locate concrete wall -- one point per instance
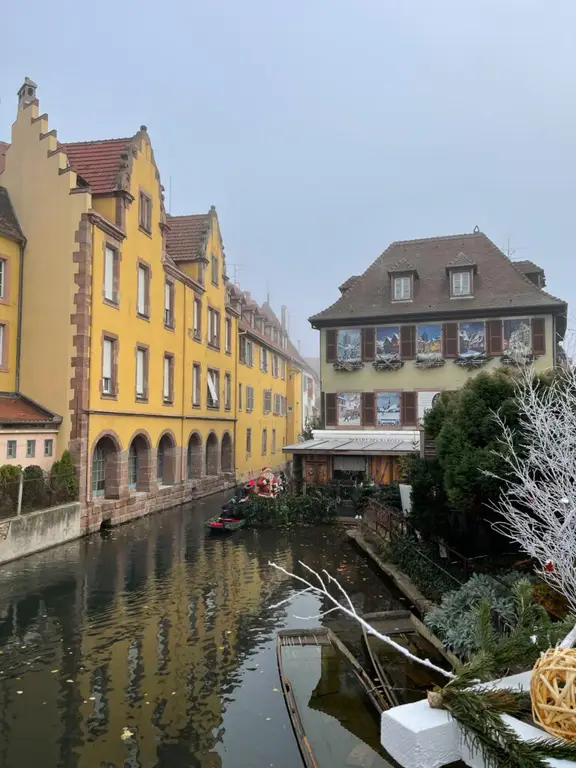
(35, 531)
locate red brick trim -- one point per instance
(141, 433)
(80, 361)
(213, 467)
(170, 434)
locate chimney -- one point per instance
(283, 311)
(26, 93)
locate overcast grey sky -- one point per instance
(324, 129)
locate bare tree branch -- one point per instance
(538, 499)
(348, 609)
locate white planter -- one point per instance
(417, 736)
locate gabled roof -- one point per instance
(461, 260)
(268, 313)
(98, 162)
(17, 409)
(186, 236)
(3, 147)
(498, 284)
(8, 222)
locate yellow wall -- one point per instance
(448, 377)
(124, 414)
(10, 253)
(257, 420)
(49, 217)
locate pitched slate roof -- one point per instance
(3, 147)
(186, 236)
(8, 222)
(498, 284)
(97, 162)
(17, 409)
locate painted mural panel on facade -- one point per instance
(387, 409)
(472, 339)
(349, 345)
(387, 342)
(429, 341)
(426, 400)
(349, 409)
(517, 337)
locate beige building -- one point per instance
(425, 317)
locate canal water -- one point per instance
(162, 629)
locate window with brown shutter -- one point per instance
(407, 342)
(538, 336)
(330, 407)
(450, 333)
(409, 409)
(368, 343)
(331, 346)
(367, 409)
(495, 346)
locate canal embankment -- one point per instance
(32, 532)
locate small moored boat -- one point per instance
(330, 701)
(225, 524)
(401, 681)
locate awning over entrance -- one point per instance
(365, 443)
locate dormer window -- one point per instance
(461, 282)
(403, 288)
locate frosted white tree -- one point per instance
(321, 589)
(538, 501)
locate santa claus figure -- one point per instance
(267, 483)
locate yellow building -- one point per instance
(131, 330)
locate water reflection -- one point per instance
(165, 631)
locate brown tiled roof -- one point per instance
(186, 236)
(347, 284)
(498, 284)
(268, 313)
(97, 162)
(8, 222)
(3, 147)
(461, 260)
(17, 409)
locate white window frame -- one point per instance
(30, 449)
(143, 277)
(227, 335)
(140, 373)
(196, 316)
(168, 304)
(461, 283)
(9, 445)
(2, 343)
(107, 366)
(213, 387)
(402, 288)
(2, 278)
(227, 391)
(48, 447)
(167, 370)
(109, 269)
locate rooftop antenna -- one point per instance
(236, 269)
(508, 250)
(268, 292)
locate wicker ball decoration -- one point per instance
(553, 692)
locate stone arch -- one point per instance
(166, 458)
(194, 456)
(226, 454)
(106, 466)
(140, 461)
(212, 454)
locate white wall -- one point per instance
(21, 437)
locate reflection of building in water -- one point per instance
(171, 648)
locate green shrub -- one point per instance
(34, 495)
(316, 506)
(63, 481)
(9, 482)
(418, 560)
(503, 623)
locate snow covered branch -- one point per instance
(321, 589)
(538, 500)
